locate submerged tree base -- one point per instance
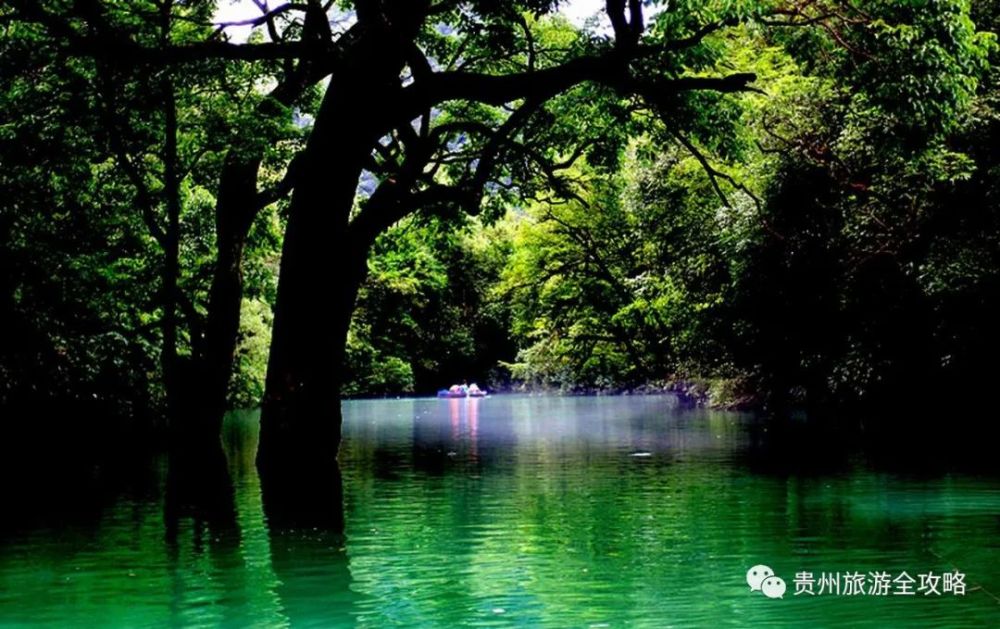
(297, 461)
(199, 487)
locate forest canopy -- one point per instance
(794, 202)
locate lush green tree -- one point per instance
(666, 217)
(810, 243)
(426, 315)
(625, 285)
(127, 155)
(439, 102)
(838, 294)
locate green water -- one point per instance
(517, 511)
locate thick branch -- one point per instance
(544, 84)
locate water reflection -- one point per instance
(506, 511)
(199, 493)
(577, 512)
(301, 556)
(200, 533)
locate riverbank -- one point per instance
(712, 393)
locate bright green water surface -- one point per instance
(520, 511)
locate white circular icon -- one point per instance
(773, 587)
(756, 576)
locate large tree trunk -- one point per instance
(321, 272)
(323, 264)
(206, 378)
(237, 206)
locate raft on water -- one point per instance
(450, 394)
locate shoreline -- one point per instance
(717, 394)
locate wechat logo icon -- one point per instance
(761, 578)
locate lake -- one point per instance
(522, 511)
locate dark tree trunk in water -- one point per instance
(237, 206)
(303, 493)
(236, 209)
(206, 379)
(323, 263)
(321, 272)
(306, 494)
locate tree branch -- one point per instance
(544, 84)
(713, 174)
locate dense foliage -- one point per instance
(109, 185)
(833, 238)
(853, 260)
(427, 313)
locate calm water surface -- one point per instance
(516, 511)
